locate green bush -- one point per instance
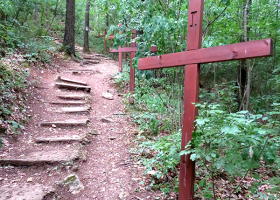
(12, 83)
(235, 144)
(161, 155)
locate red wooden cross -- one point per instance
(120, 53)
(105, 39)
(192, 58)
(132, 51)
(105, 44)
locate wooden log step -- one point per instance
(68, 102)
(21, 191)
(82, 69)
(82, 122)
(90, 58)
(73, 138)
(42, 157)
(88, 62)
(74, 109)
(72, 96)
(71, 81)
(73, 86)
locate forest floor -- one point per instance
(76, 147)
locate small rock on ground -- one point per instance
(123, 195)
(74, 183)
(94, 132)
(107, 95)
(106, 120)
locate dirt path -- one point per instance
(35, 163)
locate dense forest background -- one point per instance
(237, 131)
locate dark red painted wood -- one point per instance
(187, 166)
(131, 49)
(120, 54)
(194, 40)
(105, 42)
(192, 58)
(132, 69)
(125, 54)
(244, 50)
(105, 39)
(111, 37)
(195, 22)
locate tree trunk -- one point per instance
(249, 69)
(36, 12)
(69, 34)
(86, 30)
(241, 79)
(243, 70)
(107, 21)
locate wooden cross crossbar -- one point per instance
(132, 51)
(105, 39)
(244, 50)
(105, 44)
(192, 58)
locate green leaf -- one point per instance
(15, 124)
(193, 157)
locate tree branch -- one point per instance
(213, 21)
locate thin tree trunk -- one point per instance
(54, 16)
(275, 40)
(241, 79)
(86, 30)
(69, 34)
(249, 69)
(36, 12)
(243, 68)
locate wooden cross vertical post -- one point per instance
(192, 58)
(105, 46)
(191, 90)
(120, 53)
(132, 69)
(105, 39)
(132, 51)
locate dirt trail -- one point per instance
(98, 152)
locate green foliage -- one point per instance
(224, 93)
(161, 155)
(226, 140)
(234, 143)
(19, 29)
(12, 83)
(147, 121)
(163, 161)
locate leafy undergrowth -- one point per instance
(14, 71)
(236, 153)
(13, 82)
(237, 156)
(161, 157)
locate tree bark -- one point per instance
(36, 12)
(249, 69)
(54, 16)
(69, 34)
(86, 29)
(244, 74)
